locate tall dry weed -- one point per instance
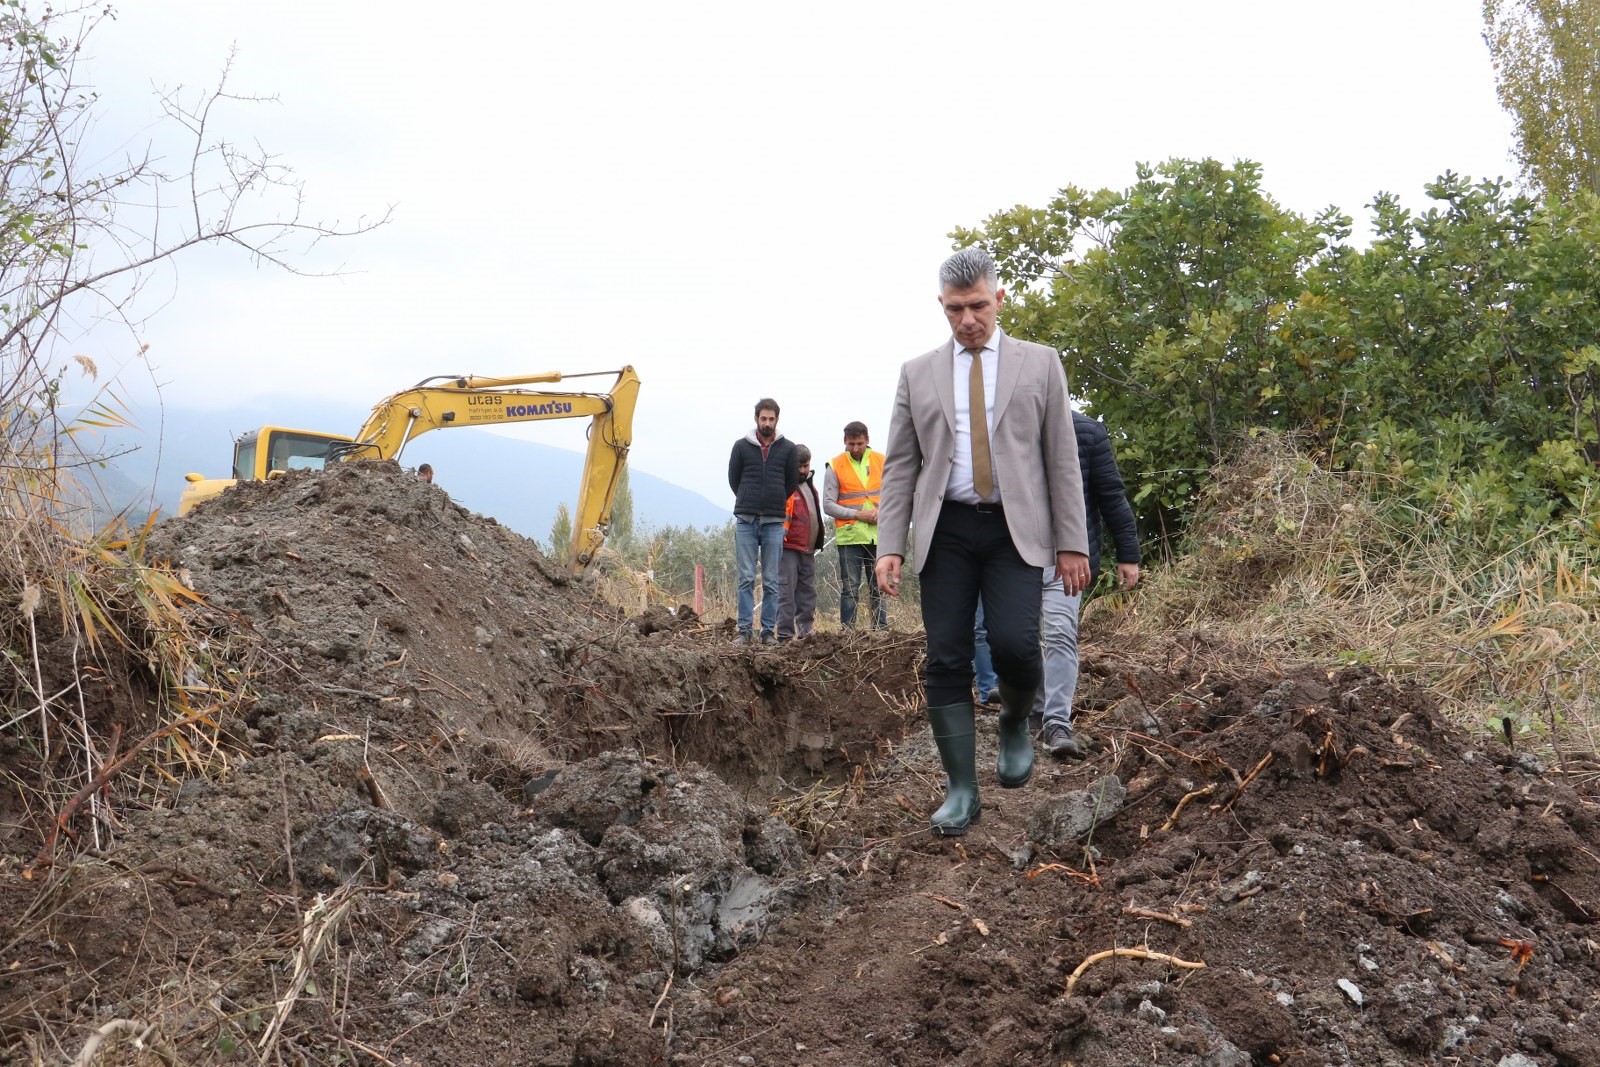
(107, 669)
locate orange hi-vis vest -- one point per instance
(852, 494)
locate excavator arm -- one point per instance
(442, 403)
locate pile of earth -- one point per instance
(479, 817)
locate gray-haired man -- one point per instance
(981, 479)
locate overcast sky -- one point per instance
(739, 199)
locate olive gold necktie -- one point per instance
(982, 467)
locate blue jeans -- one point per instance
(1058, 626)
(982, 662)
(758, 542)
(855, 563)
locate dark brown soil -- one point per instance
(479, 817)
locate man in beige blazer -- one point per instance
(981, 484)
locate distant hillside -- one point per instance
(518, 483)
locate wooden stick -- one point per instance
(370, 784)
(441, 681)
(1128, 953)
(1140, 741)
(47, 853)
(1237, 793)
(1172, 820)
(370, 1051)
(1322, 757)
(1091, 878)
(86, 1055)
(1146, 913)
(651, 1025)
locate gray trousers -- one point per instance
(1058, 631)
(797, 595)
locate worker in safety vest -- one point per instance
(850, 498)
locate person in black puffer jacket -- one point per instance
(763, 472)
(1107, 503)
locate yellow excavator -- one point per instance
(445, 402)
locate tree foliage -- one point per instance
(1164, 300)
(1547, 70)
(561, 532)
(621, 533)
(1456, 353)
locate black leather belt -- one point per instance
(981, 509)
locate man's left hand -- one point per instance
(1073, 570)
(887, 573)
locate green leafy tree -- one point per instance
(1547, 70)
(561, 533)
(677, 549)
(1458, 354)
(621, 532)
(1166, 302)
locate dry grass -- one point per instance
(98, 641)
(627, 581)
(1295, 563)
(283, 991)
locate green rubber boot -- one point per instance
(1014, 763)
(953, 732)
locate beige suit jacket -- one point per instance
(1032, 443)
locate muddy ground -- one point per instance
(476, 816)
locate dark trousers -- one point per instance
(797, 600)
(855, 564)
(971, 554)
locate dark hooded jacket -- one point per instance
(762, 485)
(1104, 495)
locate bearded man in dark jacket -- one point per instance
(1106, 501)
(763, 472)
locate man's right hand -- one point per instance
(887, 572)
(867, 515)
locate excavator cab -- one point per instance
(259, 453)
(264, 453)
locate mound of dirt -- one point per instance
(481, 817)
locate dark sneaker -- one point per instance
(991, 699)
(768, 637)
(1060, 743)
(742, 639)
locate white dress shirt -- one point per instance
(960, 485)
